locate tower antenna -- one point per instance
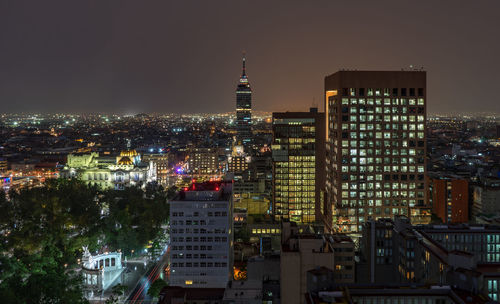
(244, 73)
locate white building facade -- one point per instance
(201, 236)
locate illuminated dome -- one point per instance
(129, 153)
(125, 160)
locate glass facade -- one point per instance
(294, 169)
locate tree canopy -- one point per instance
(42, 231)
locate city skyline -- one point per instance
(145, 57)
(253, 152)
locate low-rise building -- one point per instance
(162, 163)
(301, 252)
(465, 256)
(486, 197)
(203, 161)
(238, 161)
(343, 249)
(181, 295)
(3, 165)
(449, 197)
(243, 292)
(387, 293)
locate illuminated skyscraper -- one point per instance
(376, 145)
(244, 110)
(299, 166)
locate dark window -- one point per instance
(420, 91)
(403, 91)
(345, 92)
(412, 91)
(395, 92)
(361, 91)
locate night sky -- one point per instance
(185, 56)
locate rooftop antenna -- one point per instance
(314, 104)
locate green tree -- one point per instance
(44, 229)
(135, 218)
(112, 300)
(155, 288)
(119, 290)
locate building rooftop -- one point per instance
(206, 191)
(172, 294)
(243, 290)
(204, 186)
(320, 271)
(350, 293)
(459, 228)
(339, 238)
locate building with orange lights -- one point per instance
(449, 197)
(298, 154)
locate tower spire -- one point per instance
(244, 62)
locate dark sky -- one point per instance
(185, 56)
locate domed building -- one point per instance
(109, 172)
(125, 160)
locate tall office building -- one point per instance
(244, 110)
(201, 233)
(298, 150)
(376, 145)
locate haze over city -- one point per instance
(183, 56)
(249, 152)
